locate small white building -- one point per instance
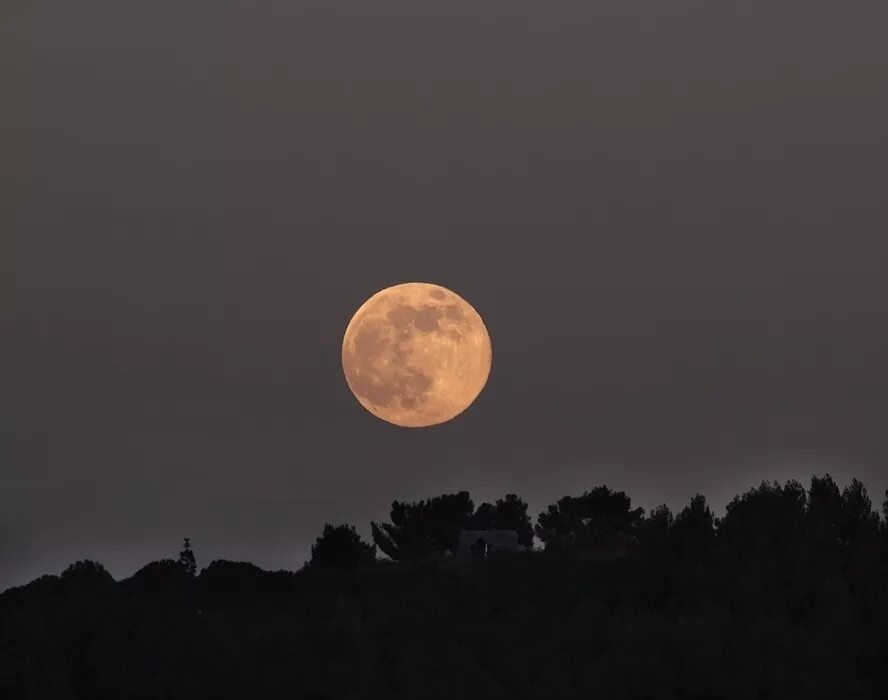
(484, 542)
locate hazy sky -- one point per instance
(673, 217)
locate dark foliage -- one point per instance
(824, 510)
(660, 519)
(341, 548)
(186, 558)
(858, 521)
(696, 518)
(419, 529)
(166, 580)
(595, 518)
(429, 527)
(509, 513)
(885, 514)
(768, 519)
(784, 597)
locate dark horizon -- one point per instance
(671, 218)
(647, 518)
(785, 596)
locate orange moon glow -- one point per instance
(416, 354)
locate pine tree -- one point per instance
(186, 558)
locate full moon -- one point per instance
(416, 354)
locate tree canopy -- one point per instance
(186, 558)
(340, 547)
(592, 518)
(508, 513)
(433, 525)
(421, 528)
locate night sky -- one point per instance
(673, 217)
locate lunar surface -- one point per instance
(416, 354)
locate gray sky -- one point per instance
(671, 215)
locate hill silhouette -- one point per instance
(786, 596)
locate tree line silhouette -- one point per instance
(603, 518)
(785, 595)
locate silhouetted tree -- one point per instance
(771, 516)
(340, 547)
(484, 518)
(509, 513)
(166, 580)
(186, 558)
(559, 524)
(655, 529)
(824, 509)
(696, 517)
(858, 521)
(660, 518)
(847, 517)
(586, 520)
(418, 529)
(224, 582)
(885, 511)
(694, 528)
(86, 572)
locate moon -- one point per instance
(416, 354)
